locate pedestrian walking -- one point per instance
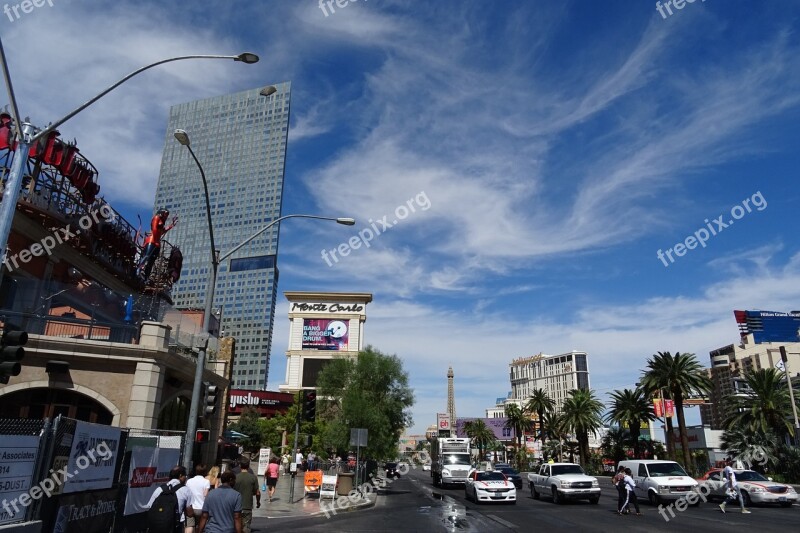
(170, 504)
(731, 487)
(271, 475)
(213, 478)
(286, 461)
(199, 486)
(619, 483)
(222, 510)
(247, 485)
(630, 495)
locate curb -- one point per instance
(333, 510)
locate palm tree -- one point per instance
(755, 448)
(540, 403)
(682, 375)
(614, 443)
(764, 406)
(551, 424)
(481, 434)
(631, 408)
(518, 422)
(581, 414)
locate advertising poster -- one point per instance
(149, 468)
(658, 407)
(325, 334)
(89, 512)
(17, 462)
(93, 457)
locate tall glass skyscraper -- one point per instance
(240, 139)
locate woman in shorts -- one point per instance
(271, 475)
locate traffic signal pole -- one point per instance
(294, 452)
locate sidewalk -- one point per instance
(282, 507)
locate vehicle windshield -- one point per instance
(666, 469)
(566, 469)
(508, 471)
(490, 476)
(749, 475)
(458, 459)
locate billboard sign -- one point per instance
(325, 334)
(768, 326)
(443, 422)
(267, 403)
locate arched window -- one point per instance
(38, 403)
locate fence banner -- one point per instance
(149, 468)
(93, 457)
(18, 455)
(87, 512)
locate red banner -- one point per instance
(670, 408)
(657, 407)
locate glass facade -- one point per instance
(240, 140)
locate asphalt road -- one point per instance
(413, 504)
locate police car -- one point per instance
(491, 486)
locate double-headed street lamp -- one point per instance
(194, 408)
(28, 136)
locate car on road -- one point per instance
(755, 488)
(564, 481)
(660, 481)
(498, 466)
(512, 476)
(493, 486)
(391, 471)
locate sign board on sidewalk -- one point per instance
(263, 460)
(313, 480)
(328, 488)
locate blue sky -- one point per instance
(560, 145)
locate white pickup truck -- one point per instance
(563, 481)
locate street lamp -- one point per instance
(194, 408)
(27, 136)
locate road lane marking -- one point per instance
(501, 521)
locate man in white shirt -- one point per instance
(177, 476)
(298, 458)
(199, 487)
(732, 487)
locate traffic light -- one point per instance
(209, 398)
(11, 353)
(309, 406)
(202, 436)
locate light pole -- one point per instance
(194, 408)
(27, 135)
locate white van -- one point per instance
(660, 481)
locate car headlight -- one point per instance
(445, 472)
(595, 483)
(565, 484)
(753, 488)
(663, 489)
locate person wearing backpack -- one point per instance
(170, 504)
(619, 482)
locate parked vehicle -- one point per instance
(660, 481)
(492, 486)
(451, 461)
(563, 481)
(755, 488)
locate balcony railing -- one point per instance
(68, 327)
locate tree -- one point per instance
(581, 414)
(540, 403)
(614, 444)
(519, 422)
(682, 375)
(631, 408)
(248, 424)
(764, 406)
(754, 448)
(482, 435)
(370, 391)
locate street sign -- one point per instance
(358, 437)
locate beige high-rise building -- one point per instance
(556, 374)
(731, 363)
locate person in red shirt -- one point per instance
(152, 243)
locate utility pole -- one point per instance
(785, 360)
